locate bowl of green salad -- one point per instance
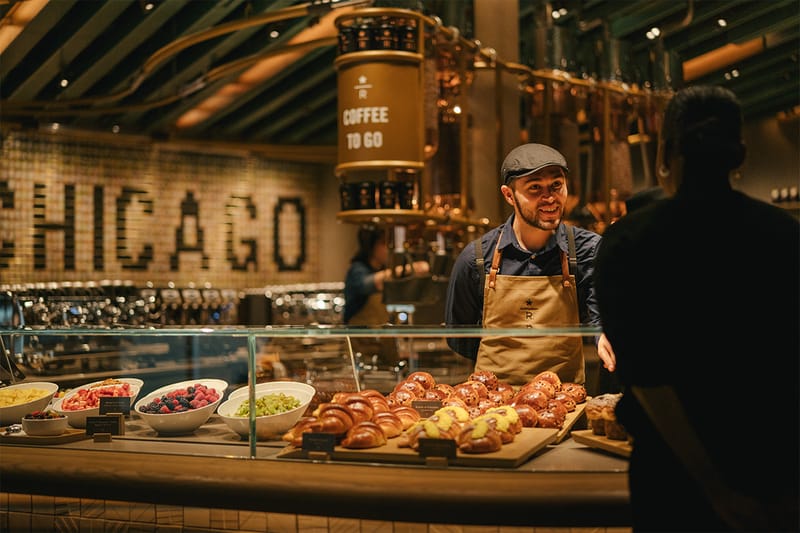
(278, 407)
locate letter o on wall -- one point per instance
(289, 234)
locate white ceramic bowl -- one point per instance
(77, 417)
(12, 414)
(272, 426)
(181, 422)
(44, 427)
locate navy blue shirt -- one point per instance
(359, 284)
(464, 304)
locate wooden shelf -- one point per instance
(407, 216)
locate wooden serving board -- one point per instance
(511, 455)
(70, 435)
(570, 422)
(617, 447)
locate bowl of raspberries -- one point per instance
(182, 407)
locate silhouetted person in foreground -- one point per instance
(698, 294)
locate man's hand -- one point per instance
(606, 353)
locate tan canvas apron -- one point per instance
(374, 313)
(526, 302)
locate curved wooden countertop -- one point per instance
(202, 478)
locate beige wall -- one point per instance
(89, 211)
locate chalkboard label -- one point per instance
(437, 448)
(426, 408)
(115, 404)
(104, 424)
(319, 442)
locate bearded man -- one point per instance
(532, 271)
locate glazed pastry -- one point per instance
(445, 388)
(487, 377)
(550, 376)
(459, 414)
(436, 395)
(558, 408)
(500, 423)
(479, 437)
(443, 427)
(527, 415)
(534, 397)
(412, 386)
(364, 435)
(423, 378)
(467, 394)
(549, 419)
(515, 423)
(576, 390)
(505, 391)
(542, 385)
(454, 401)
(401, 397)
(567, 400)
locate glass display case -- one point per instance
(330, 358)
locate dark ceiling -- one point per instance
(139, 69)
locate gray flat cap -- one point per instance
(529, 158)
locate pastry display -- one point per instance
(602, 417)
(480, 414)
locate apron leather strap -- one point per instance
(479, 261)
(496, 258)
(568, 265)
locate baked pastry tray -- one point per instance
(511, 455)
(601, 442)
(524, 446)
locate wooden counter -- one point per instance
(564, 485)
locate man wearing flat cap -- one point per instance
(531, 271)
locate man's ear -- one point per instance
(508, 194)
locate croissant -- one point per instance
(408, 415)
(363, 435)
(333, 418)
(379, 404)
(295, 434)
(361, 407)
(390, 423)
(479, 437)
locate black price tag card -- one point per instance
(426, 408)
(103, 424)
(115, 404)
(437, 448)
(319, 442)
